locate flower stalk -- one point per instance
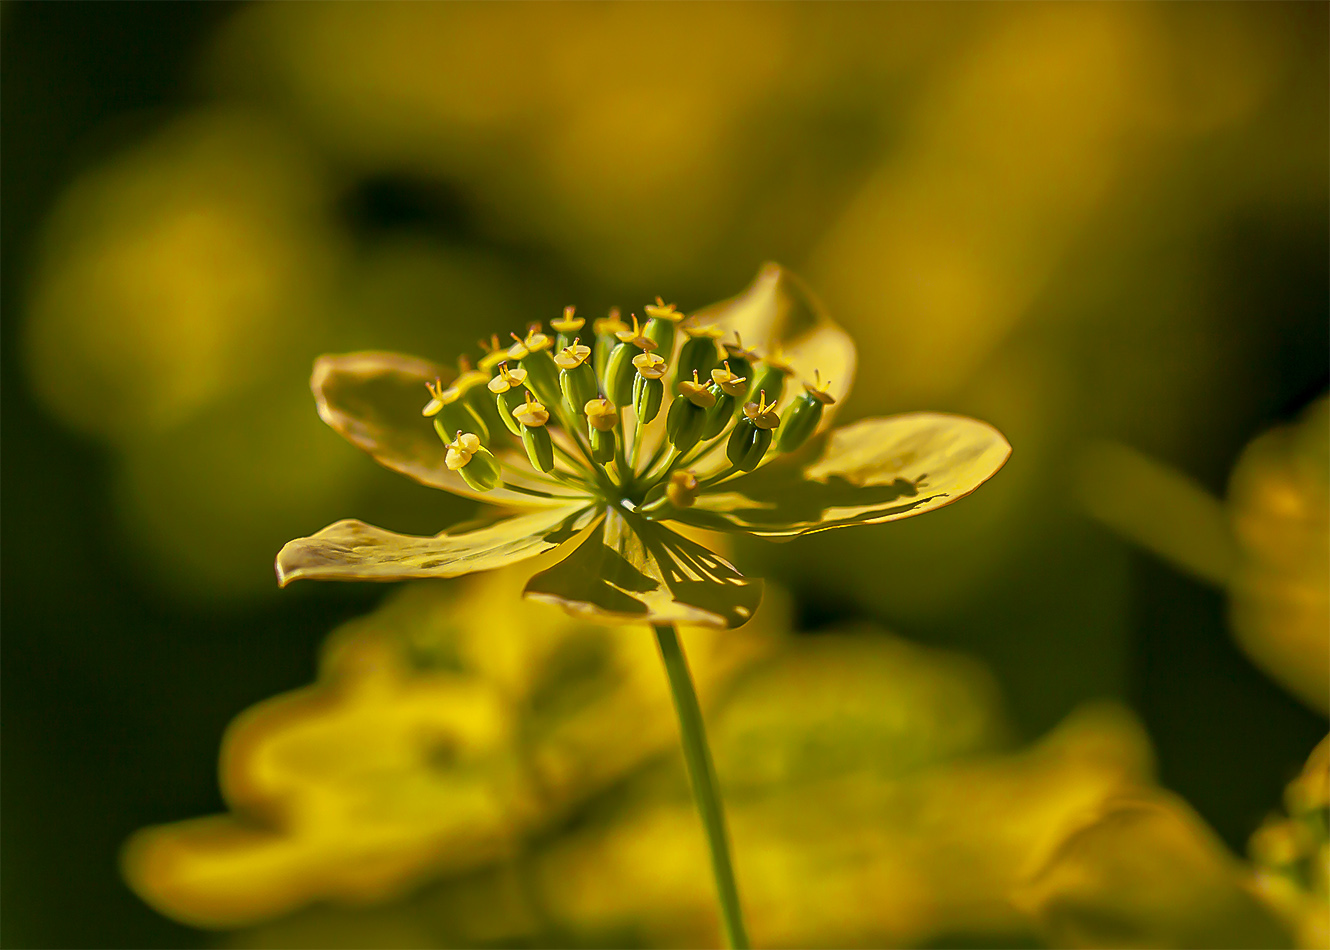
(702, 778)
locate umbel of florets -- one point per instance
(585, 427)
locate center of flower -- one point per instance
(638, 416)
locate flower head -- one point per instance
(606, 458)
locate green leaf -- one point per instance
(873, 471)
(352, 550)
(374, 400)
(630, 570)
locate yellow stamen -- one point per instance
(531, 414)
(568, 323)
(610, 324)
(436, 398)
(493, 353)
(730, 384)
(762, 414)
(460, 450)
(663, 311)
(507, 379)
(649, 365)
(601, 414)
(698, 393)
(737, 350)
(535, 340)
(819, 389)
(694, 329)
(571, 357)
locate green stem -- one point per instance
(702, 776)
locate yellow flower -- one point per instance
(599, 493)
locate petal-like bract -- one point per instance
(353, 550)
(873, 471)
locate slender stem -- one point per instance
(702, 776)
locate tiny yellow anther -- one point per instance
(531, 414)
(694, 330)
(649, 365)
(494, 354)
(730, 384)
(635, 337)
(568, 323)
(518, 350)
(663, 311)
(507, 379)
(571, 357)
(601, 414)
(737, 349)
(535, 340)
(819, 389)
(610, 324)
(762, 414)
(435, 403)
(460, 450)
(697, 392)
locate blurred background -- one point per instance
(1090, 225)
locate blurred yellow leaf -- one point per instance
(1144, 871)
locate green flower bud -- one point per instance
(602, 445)
(719, 415)
(648, 394)
(620, 373)
(532, 416)
(482, 404)
(748, 443)
(539, 447)
(482, 472)
(542, 376)
(661, 320)
(607, 330)
(770, 378)
(451, 413)
(802, 418)
(509, 391)
(699, 352)
(475, 463)
(684, 423)
(576, 377)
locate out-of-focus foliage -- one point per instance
(1269, 546)
(1145, 871)
(1292, 853)
(444, 727)
(522, 761)
(1279, 497)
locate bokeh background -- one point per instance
(1086, 224)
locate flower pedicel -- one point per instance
(593, 443)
